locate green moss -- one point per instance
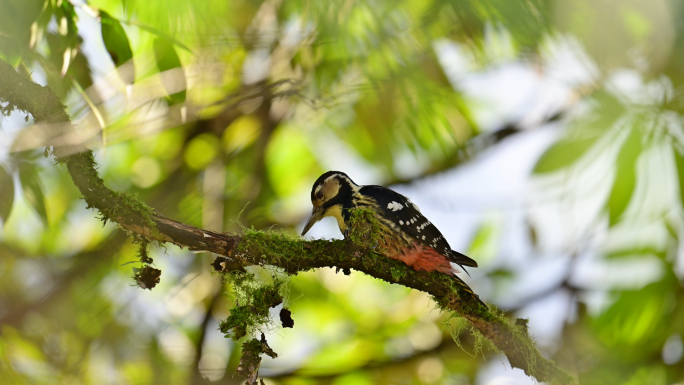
(455, 324)
(398, 272)
(276, 244)
(237, 323)
(525, 345)
(143, 256)
(253, 299)
(112, 205)
(364, 229)
(20, 92)
(278, 247)
(253, 345)
(251, 357)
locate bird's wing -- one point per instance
(406, 215)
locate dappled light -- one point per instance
(153, 192)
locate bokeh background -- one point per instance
(543, 137)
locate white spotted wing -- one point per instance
(406, 215)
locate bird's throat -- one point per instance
(336, 212)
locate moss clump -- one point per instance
(143, 255)
(455, 325)
(525, 346)
(364, 229)
(398, 272)
(237, 323)
(251, 358)
(275, 244)
(277, 247)
(252, 303)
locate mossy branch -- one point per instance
(267, 248)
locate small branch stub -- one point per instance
(251, 358)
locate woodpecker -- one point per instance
(405, 234)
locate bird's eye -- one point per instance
(319, 194)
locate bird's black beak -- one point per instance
(316, 215)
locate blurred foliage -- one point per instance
(222, 113)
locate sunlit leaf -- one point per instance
(563, 154)
(636, 318)
(671, 229)
(501, 273)
(6, 194)
(160, 34)
(68, 18)
(641, 251)
(583, 135)
(16, 18)
(679, 162)
(115, 40)
(167, 60)
(33, 191)
(625, 176)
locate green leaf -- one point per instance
(585, 132)
(33, 191)
(679, 162)
(167, 59)
(671, 228)
(625, 176)
(80, 71)
(166, 55)
(637, 318)
(115, 40)
(646, 251)
(159, 33)
(563, 153)
(6, 194)
(501, 273)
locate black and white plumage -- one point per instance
(408, 235)
(407, 217)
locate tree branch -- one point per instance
(268, 248)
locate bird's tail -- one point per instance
(462, 260)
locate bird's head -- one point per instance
(328, 194)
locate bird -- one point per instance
(405, 234)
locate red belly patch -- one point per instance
(422, 257)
